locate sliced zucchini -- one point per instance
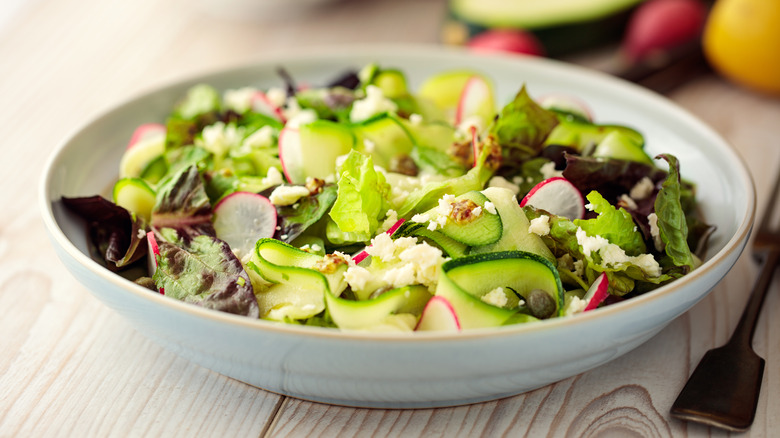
(355, 315)
(515, 235)
(617, 145)
(451, 247)
(385, 138)
(582, 136)
(135, 195)
(467, 220)
(464, 281)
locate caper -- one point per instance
(540, 304)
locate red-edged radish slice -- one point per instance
(291, 155)
(359, 257)
(438, 315)
(567, 104)
(507, 40)
(558, 196)
(154, 251)
(597, 293)
(262, 104)
(476, 100)
(145, 132)
(242, 218)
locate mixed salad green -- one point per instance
(363, 205)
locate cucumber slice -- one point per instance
(436, 135)
(465, 280)
(463, 224)
(581, 136)
(619, 146)
(392, 83)
(451, 247)
(141, 153)
(135, 195)
(155, 170)
(311, 150)
(356, 315)
(515, 236)
(298, 290)
(384, 138)
(444, 89)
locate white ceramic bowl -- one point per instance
(423, 369)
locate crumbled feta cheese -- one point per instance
(579, 267)
(374, 103)
(426, 260)
(262, 138)
(239, 100)
(316, 248)
(500, 181)
(421, 218)
(574, 305)
(415, 119)
(476, 211)
(140, 234)
(642, 189)
(400, 276)
(219, 138)
(390, 219)
(382, 246)
(301, 117)
(340, 160)
(540, 225)
(652, 219)
(548, 170)
(613, 255)
(357, 277)
(370, 145)
(445, 205)
(432, 225)
(276, 96)
(288, 195)
(272, 178)
(490, 207)
(496, 297)
(628, 201)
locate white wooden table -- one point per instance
(71, 367)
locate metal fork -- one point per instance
(724, 388)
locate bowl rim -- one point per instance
(59, 238)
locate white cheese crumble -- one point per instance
(373, 104)
(415, 119)
(272, 178)
(540, 225)
(262, 138)
(490, 207)
(276, 96)
(629, 201)
(370, 145)
(652, 219)
(219, 138)
(496, 297)
(390, 219)
(239, 100)
(613, 255)
(476, 211)
(642, 189)
(357, 277)
(445, 205)
(421, 218)
(500, 181)
(548, 170)
(574, 305)
(288, 195)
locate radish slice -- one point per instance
(359, 257)
(262, 104)
(438, 315)
(476, 100)
(145, 132)
(242, 218)
(566, 103)
(597, 293)
(154, 251)
(558, 196)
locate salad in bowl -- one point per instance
(363, 204)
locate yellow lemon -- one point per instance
(742, 42)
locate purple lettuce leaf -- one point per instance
(116, 236)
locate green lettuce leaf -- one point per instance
(672, 223)
(293, 221)
(362, 198)
(523, 125)
(613, 224)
